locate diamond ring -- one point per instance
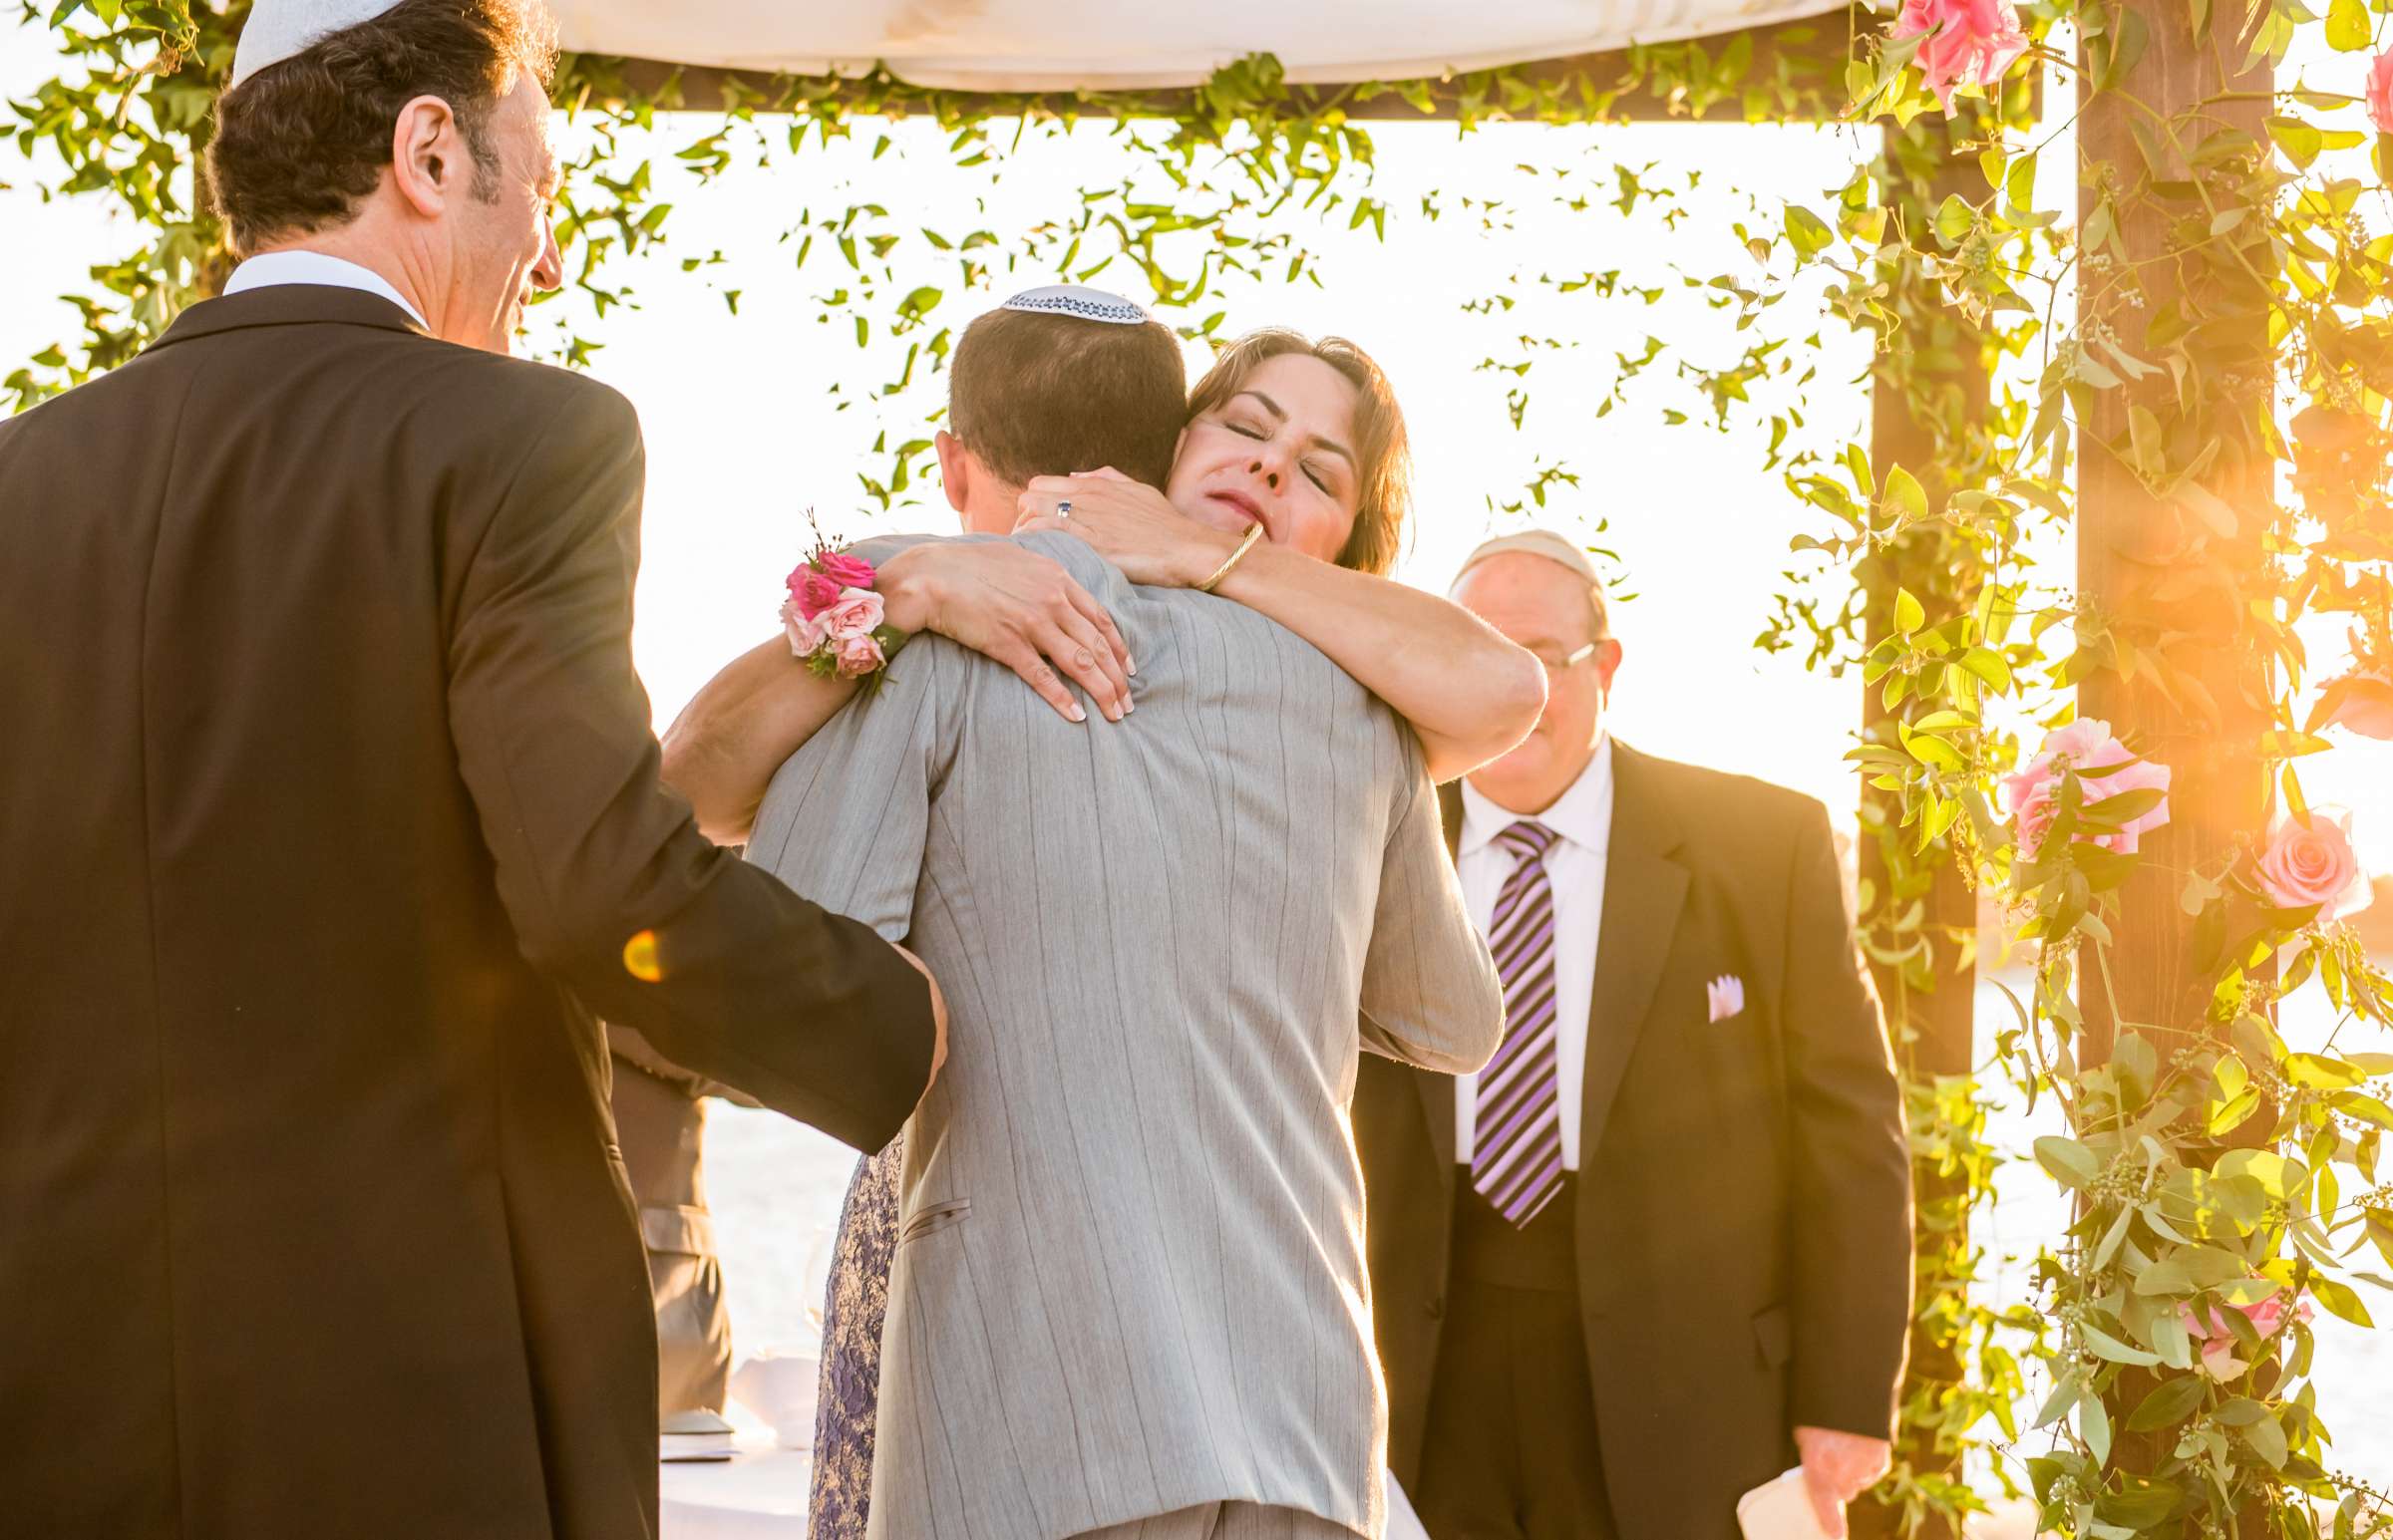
(1063, 509)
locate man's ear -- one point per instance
(428, 155)
(1607, 663)
(956, 470)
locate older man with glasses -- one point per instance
(1658, 1250)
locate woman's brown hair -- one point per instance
(1383, 453)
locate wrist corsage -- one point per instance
(835, 620)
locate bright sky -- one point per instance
(745, 433)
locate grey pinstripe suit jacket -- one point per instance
(1129, 1273)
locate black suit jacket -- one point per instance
(328, 779)
(1742, 1217)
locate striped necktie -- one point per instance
(1517, 1144)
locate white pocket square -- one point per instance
(1726, 996)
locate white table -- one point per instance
(757, 1494)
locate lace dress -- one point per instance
(853, 1307)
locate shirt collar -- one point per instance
(1581, 816)
(273, 267)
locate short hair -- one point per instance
(1033, 393)
(299, 142)
(1383, 449)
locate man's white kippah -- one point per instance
(1072, 299)
(1535, 542)
(285, 28)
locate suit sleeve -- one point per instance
(612, 889)
(1851, 1163)
(848, 815)
(1429, 993)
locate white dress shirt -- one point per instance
(275, 267)
(1583, 816)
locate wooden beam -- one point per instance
(1797, 64)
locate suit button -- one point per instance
(1436, 1307)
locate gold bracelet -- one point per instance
(1254, 532)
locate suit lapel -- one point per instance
(1644, 889)
(1438, 1091)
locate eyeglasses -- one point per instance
(1554, 664)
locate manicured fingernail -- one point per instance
(1077, 714)
(1129, 705)
(1129, 665)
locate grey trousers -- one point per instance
(1226, 1521)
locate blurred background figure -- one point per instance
(1659, 1248)
(660, 1123)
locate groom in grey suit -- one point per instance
(1129, 1289)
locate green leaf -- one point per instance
(2347, 29)
(1989, 667)
(2169, 1404)
(2319, 1073)
(1809, 233)
(2104, 1345)
(1954, 220)
(2094, 1425)
(1909, 615)
(2341, 1299)
(2267, 1441)
(1904, 492)
(2071, 1163)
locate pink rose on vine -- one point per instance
(2208, 1328)
(2310, 863)
(2380, 91)
(1965, 42)
(2105, 770)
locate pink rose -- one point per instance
(2139, 776)
(2206, 1326)
(2033, 793)
(857, 613)
(2380, 91)
(806, 632)
(811, 591)
(845, 570)
(2033, 806)
(2361, 700)
(859, 654)
(2312, 863)
(1967, 42)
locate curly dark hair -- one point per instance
(301, 140)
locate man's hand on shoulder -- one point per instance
(1837, 1469)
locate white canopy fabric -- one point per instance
(1123, 45)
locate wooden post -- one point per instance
(1921, 920)
(2158, 578)
(2175, 674)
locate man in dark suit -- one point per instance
(1658, 1249)
(331, 812)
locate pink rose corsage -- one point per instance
(835, 621)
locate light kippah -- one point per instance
(1073, 299)
(1535, 542)
(285, 28)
